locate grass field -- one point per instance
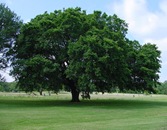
(102, 112)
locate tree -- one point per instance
(69, 48)
(97, 60)
(10, 24)
(144, 63)
(148, 64)
(8, 87)
(162, 88)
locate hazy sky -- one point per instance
(147, 19)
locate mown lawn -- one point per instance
(102, 112)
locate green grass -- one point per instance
(102, 112)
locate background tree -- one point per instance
(144, 64)
(79, 51)
(10, 24)
(148, 65)
(8, 87)
(162, 88)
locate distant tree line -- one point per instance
(12, 87)
(162, 88)
(8, 87)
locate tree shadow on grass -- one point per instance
(100, 103)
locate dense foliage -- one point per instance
(82, 52)
(8, 87)
(162, 88)
(10, 24)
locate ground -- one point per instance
(19, 111)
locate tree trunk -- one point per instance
(40, 92)
(74, 91)
(75, 95)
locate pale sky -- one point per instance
(147, 19)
